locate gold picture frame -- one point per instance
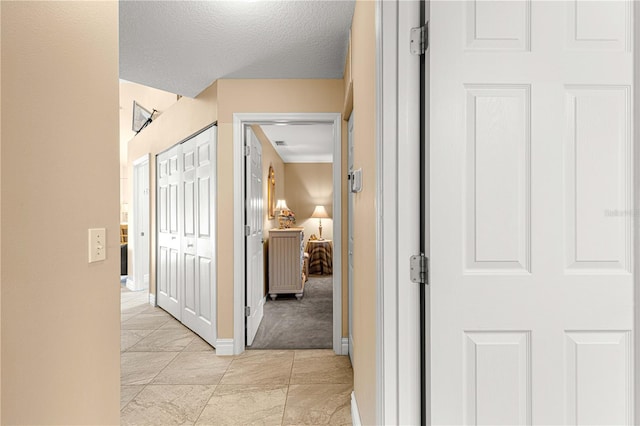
(271, 193)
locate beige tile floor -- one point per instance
(171, 376)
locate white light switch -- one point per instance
(97, 244)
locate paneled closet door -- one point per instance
(198, 308)
(186, 255)
(168, 281)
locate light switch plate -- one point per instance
(97, 244)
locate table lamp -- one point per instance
(281, 206)
(320, 213)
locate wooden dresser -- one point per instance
(286, 262)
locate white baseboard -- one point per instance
(355, 414)
(344, 346)
(152, 299)
(130, 284)
(224, 347)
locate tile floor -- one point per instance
(170, 376)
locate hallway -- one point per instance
(170, 376)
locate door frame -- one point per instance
(145, 159)
(398, 394)
(240, 120)
(636, 204)
(350, 195)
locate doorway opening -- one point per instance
(321, 267)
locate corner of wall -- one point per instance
(1, 422)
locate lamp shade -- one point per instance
(281, 205)
(320, 212)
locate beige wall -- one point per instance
(221, 101)
(259, 96)
(0, 216)
(149, 98)
(308, 185)
(181, 120)
(60, 315)
(364, 257)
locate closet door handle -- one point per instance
(189, 245)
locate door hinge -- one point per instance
(247, 150)
(419, 269)
(247, 311)
(247, 230)
(419, 40)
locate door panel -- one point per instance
(167, 293)
(254, 247)
(531, 212)
(186, 278)
(199, 315)
(139, 232)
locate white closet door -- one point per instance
(186, 237)
(168, 281)
(198, 309)
(531, 212)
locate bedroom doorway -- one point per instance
(316, 294)
(297, 159)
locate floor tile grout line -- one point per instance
(284, 408)
(214, 390)
(286, 399)
(134, 397)
(204, 407)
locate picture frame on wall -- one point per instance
(271, 193)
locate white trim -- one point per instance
(635, 415)
(345, 346)
(355, 414)
(239, 120)
(386, 74)
(131, 285)
(238, 239)
(224, 346)
(398, 307)
(152, 299)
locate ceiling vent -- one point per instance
(279, 143)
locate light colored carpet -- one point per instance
(305, 324)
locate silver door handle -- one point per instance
(173, 238)
(189, 245)
(142, 234)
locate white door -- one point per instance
(140, 228)
(531, 272)
(254, 217)
(350, 230)
(197, 234)
(168, 180)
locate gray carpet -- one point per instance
(305, 324)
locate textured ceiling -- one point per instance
(304, 143)
(183, 46)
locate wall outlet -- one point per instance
(97, 244)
